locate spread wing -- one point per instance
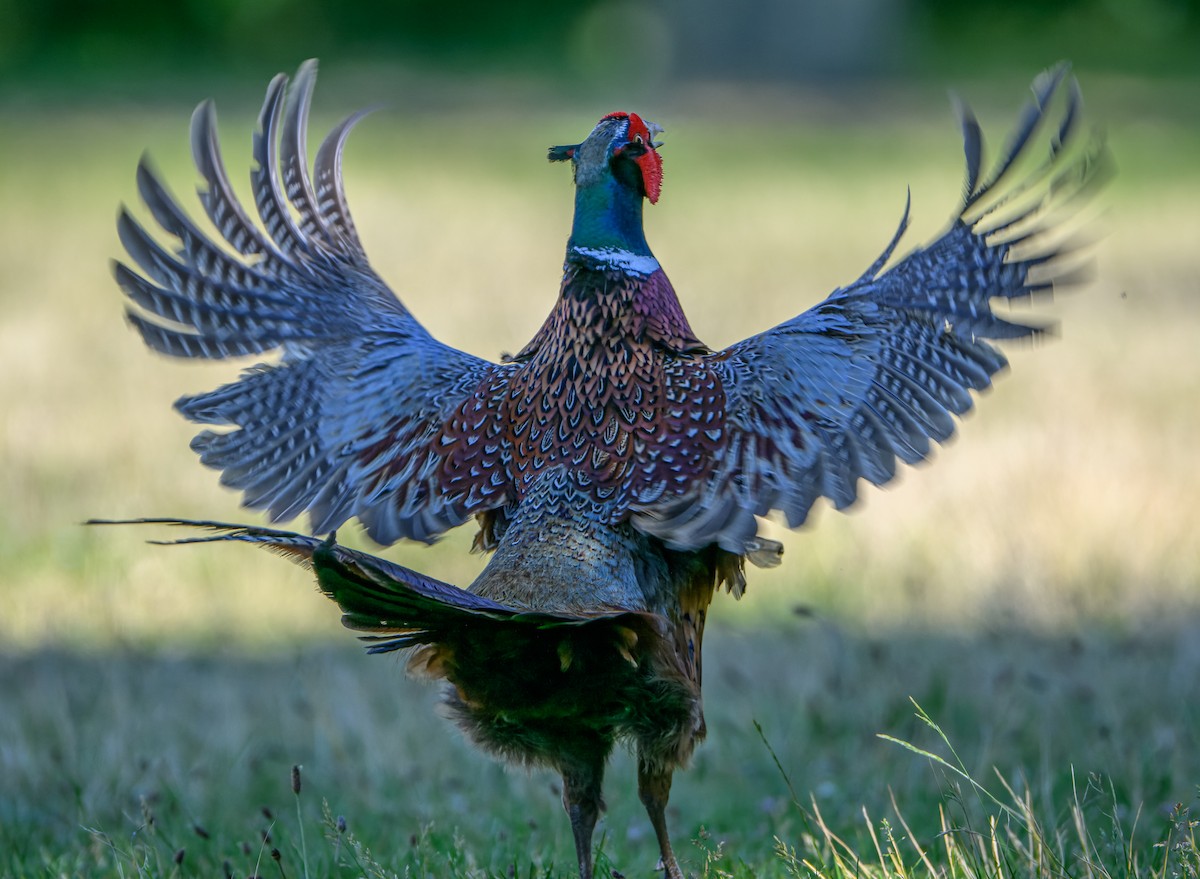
(879, 369)
(347, 421)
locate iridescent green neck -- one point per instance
(608, 216)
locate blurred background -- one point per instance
(1049, 554)
(593, 42)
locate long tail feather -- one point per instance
(398, 606)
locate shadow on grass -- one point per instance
(127, 758)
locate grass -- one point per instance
(113, 762)
(1035, 590)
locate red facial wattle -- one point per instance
(649, 162)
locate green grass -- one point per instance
(1087, 744)
(1036, 590)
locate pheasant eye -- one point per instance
(637, 138)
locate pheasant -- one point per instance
(616, 466)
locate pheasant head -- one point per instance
(615, 168)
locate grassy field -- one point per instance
(1036, 590)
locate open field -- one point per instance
(1036, 590)
(1103, 727)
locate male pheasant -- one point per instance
(616, 466)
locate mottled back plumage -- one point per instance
(616, 465)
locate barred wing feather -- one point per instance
(877, 371)
(347, 422)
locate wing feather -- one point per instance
(221, 204)
(348, 421)
(264, 176)
(878, 371)
(330, 189)
(294, 155)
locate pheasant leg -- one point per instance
(654, 789)
(583, 803)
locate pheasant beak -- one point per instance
(655, 130)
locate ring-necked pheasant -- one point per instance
(615, 466)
